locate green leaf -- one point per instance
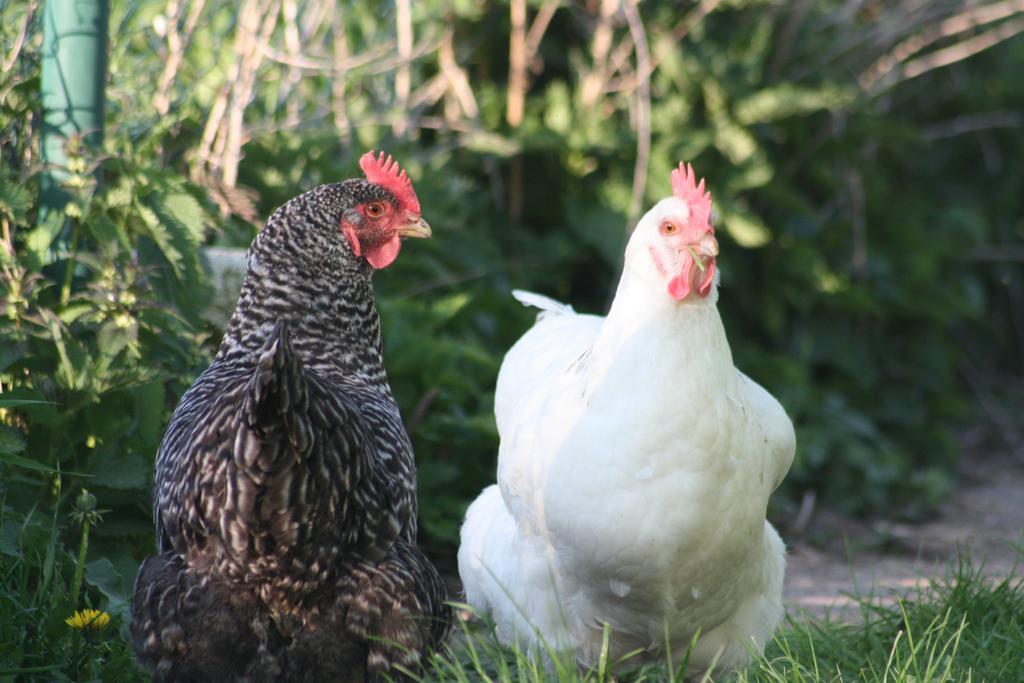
(745, 227)
(102, 575)
(786, 100)
(11, 440)
(183, 208)
(121, 194)
(15, 199)
(159, 234)
(112, 338)
(26, 463)
(12, 354)
(73, 312)
(16, 402)
(735, 142)
(107, 234)
(41, 238)
(120, 471)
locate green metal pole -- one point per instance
(74, 71)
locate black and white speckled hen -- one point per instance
(285, 500)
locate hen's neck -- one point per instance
(323, 292)
(647, 322)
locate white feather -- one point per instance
(544, 303)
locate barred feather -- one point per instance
(285, 485)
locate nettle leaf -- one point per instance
(160, 234)
(41, 238)
(186, 211)
(121, 194)
(15, 199)
(120, 471)
(108, 235)
(113, 337)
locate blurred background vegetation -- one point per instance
(864, 160)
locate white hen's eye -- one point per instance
(668, 228)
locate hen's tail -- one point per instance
(547, 305)
(278, 391)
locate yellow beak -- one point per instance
(416, 227)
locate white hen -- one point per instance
(635, 468)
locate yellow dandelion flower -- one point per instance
(91, 619)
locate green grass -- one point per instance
(40, 571)
(964, 627)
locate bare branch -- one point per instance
(292, 42)
(972, 123)
(539, 27)
(370, 62)
(593, 82)
(955, 53)
(694, 17)
(523, 46)
(855, 192)
(630, 82)
(456, 78)
(618, 61)
(19, 42)
(403, 75)
(317, 20)
(516, 64)
(643, 111)
(253, 36)
(430, 92)
(177, 44)
(341, 122)
(973, 17)
(327, 66)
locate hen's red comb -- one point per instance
(685, 187)
(387, 173)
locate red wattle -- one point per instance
(679, 286)
(383, 255)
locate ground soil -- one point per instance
(833, 558)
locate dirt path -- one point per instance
(835, 557)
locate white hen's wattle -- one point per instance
(634, 472)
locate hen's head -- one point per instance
(674, 243)
(385, 210)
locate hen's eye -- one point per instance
(668, 228)
(375, 210)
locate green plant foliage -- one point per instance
(100, 330)
(870, 236)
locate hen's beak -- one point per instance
(416, 227)
(707, 246)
